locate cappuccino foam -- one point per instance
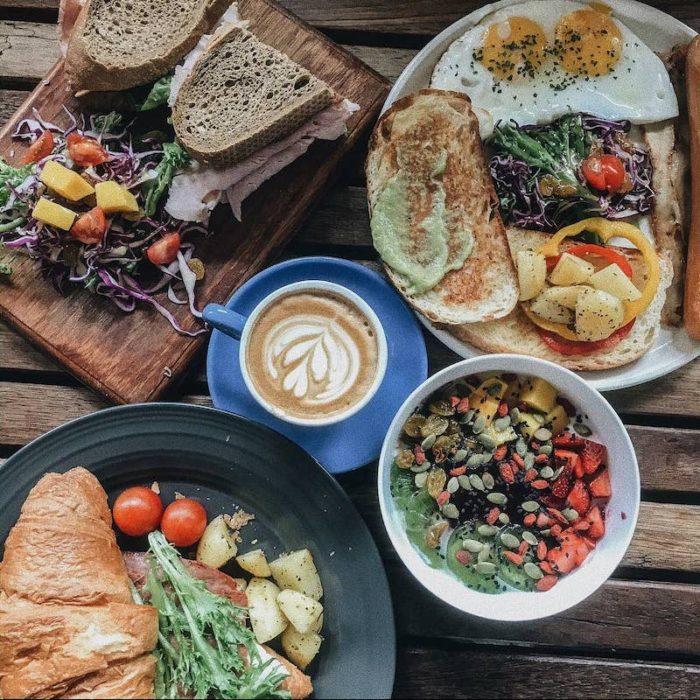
(312, 354)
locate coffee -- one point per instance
(312, 354)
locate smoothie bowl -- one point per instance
(509, 487)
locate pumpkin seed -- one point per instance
(434, 424)
(420, 479)
(464, 482)
(539, 418)
(413, 425)
(467, 417)
(570, 514)
(533, 571)
(475, 461)
(450, 510)
(547, 473)
(545, 533)
(484, 554)
(546, 449)
(530, 506)
(510, 541)
(485, 567)
(529, 460)
(488, 481)
(583, 429)
(473, 546)
(420, 468)
(515, 416)
(453, 485)
(487, 530)
(442, 408)
(501, 424)
(557, 473)
(521, 447)
(429, 441)
(479, 425)
(542, 435)
(504, 518)
(530, 538)
(405, 459)
(495, 497)
(476, 482)
(487, 441)
(460, 455)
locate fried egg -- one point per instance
(538, 60)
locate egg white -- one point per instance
(637, 89)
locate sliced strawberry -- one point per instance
(589, 543)
(562, 486)
(568, 441)
(600, 485)
(593, 454)
(563, 558)
(579, 498)
(552, 502)
(597, 528)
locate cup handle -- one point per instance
(224, 320)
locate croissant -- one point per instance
(68, 624)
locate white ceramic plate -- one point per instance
(621, 513)
(661, 32)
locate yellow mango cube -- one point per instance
(65, 182)
(113, 198)
(53, 214)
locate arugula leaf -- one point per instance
(109, 123)
(12, 177)
(159, 94)
(201, 636)
(175, 157)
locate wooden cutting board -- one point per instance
(136, 357)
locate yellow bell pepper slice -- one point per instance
(606, 230)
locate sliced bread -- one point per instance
(430, 140)
(118, 44)
(515, 333)
(241, 96)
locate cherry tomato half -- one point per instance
(85, 151)
(137, 511)
(41, 148)
(90, 227)
(575, 347)
(184, 522)
(604, 173)
(164, 251)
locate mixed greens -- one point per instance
(539, 178)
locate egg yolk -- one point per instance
(588, 42)
(513, 48)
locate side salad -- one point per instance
(499, 481)
(581, 166)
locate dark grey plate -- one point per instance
(225, 460)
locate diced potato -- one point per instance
(564, 296)
(613, 280)
(598, 315)
(319, 624)
(557, 420)
(112, 198)
(255, 563)
(539, 394)
(551, 311)
(529, 424)
(65, 182)
(218, 544)
(297, 571)
(241, 583)
(265, 615)
(532, 273)
(571, 270)
(53, 214)
(301, 649)
(301, 611)
(488, 397)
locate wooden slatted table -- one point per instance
(638, 635)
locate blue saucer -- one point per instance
(357, 440)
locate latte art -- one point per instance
(312, 354)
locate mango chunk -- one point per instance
(53, 214)
(112, 198)
(65, 182)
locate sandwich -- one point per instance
(434, 212)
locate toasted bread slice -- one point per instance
(421, 129)
(118, 44)
(516, 333)
(241, 96)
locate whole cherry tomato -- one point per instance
(184, 522)
(604, 173)
(164, 251)
(90, 227)
(85, 151)
(137, 511)
(41, 148)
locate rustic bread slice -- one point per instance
(440, 126)
(515, 333)
(241, 96)
(118, 44)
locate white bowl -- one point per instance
(621, 513)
